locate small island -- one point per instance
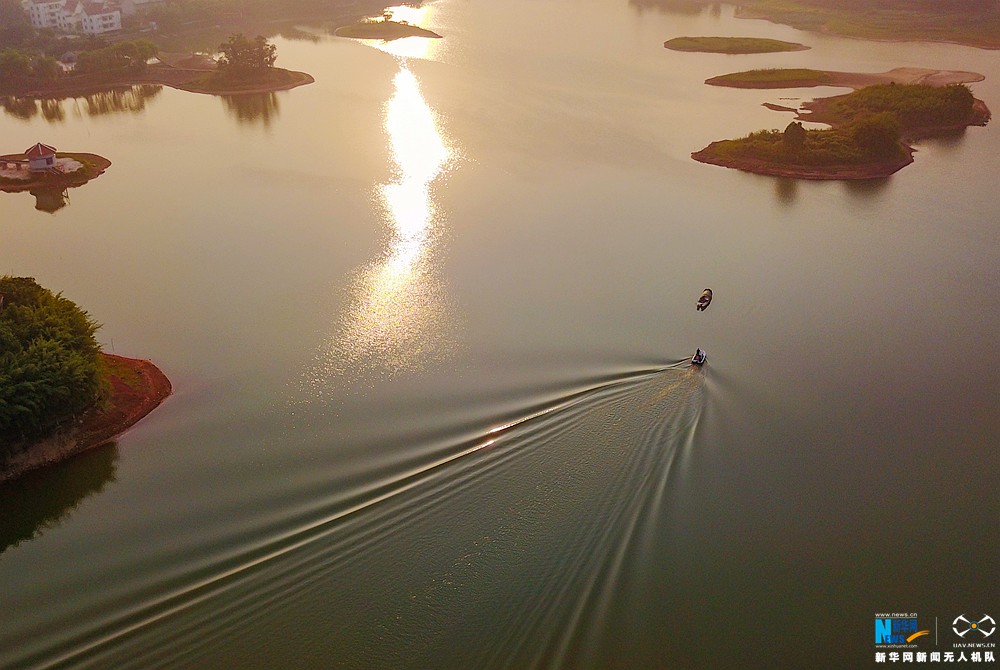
(869, 137)
(42, 167)
(383, 28)
(732, 45)
(59, 394)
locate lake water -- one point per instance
(428, 322)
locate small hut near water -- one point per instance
(40, 157)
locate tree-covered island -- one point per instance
(245, 66)
(59, 394)
(868, 138)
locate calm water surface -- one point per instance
(427, 322)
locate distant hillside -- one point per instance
(971, 22)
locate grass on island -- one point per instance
(123, 370)
(220, 84)
(773, 76)
(731, 45)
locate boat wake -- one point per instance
(516, 547)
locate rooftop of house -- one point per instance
(39, 151)
(89, 7)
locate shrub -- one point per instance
(50, 366)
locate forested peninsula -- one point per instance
(244, 66)
(869, 136)
(155, 47)
(59, 394)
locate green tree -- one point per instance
(130, 56)
(877, 135)
(50, 366)
(794, 136)
(46, 68)
(15, 69)
(15, 28)
(245, 59)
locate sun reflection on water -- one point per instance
(397, 319)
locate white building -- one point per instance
(90, 17)
(45, 13)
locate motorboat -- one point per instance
(699, 358)
(704, 300)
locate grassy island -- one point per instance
(773, 78)
(732, 45)
(383, 29)
(868, 138)
(59, 394)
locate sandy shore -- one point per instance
(137, 388)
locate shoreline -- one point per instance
(137, 388)
(809, 172)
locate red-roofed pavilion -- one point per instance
(41, 156)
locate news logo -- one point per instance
(898, 629)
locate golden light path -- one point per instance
(397, 319)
